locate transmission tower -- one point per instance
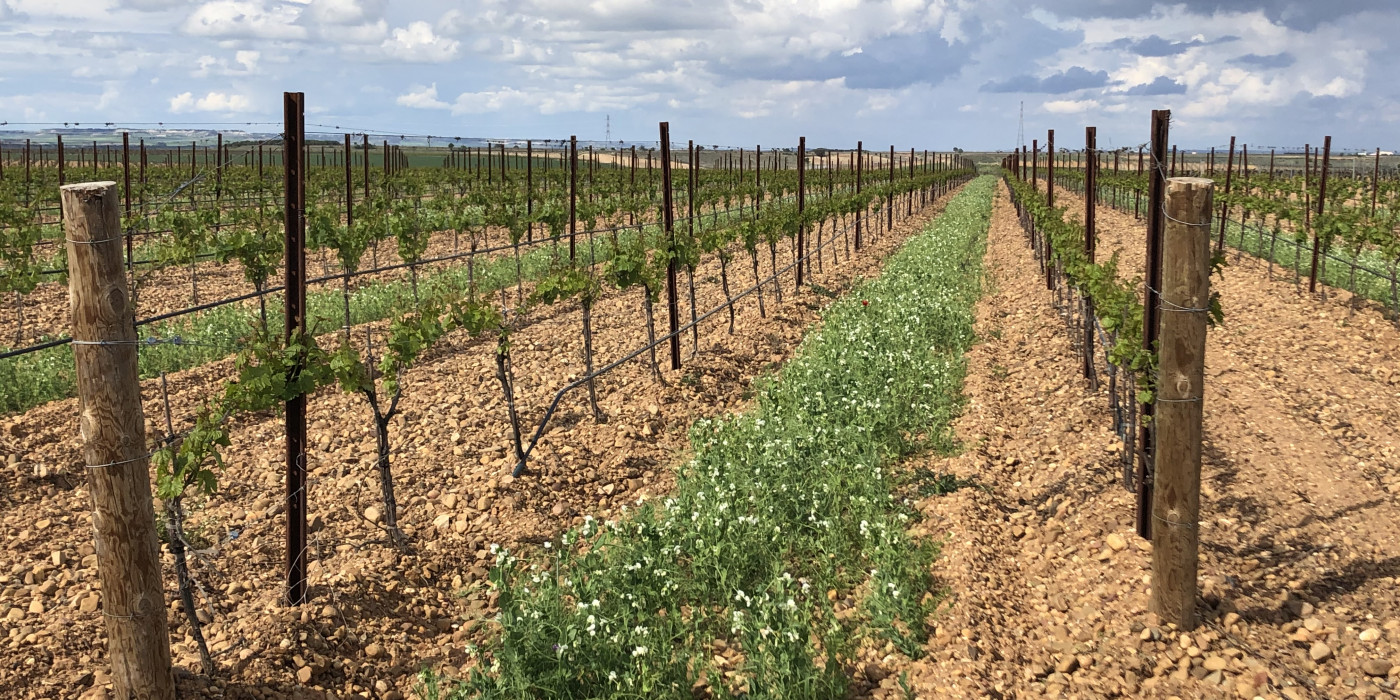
(1021, 127)
(608, 136)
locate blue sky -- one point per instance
(922, 73)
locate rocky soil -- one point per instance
(378, 615)
(1047, 581)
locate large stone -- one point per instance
(1378, 668)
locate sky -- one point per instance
(931, 74)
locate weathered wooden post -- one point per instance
(113, 428)
(1185, 299)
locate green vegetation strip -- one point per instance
(777, 508)
(47, 375)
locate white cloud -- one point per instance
(245, 62)
(73, 9)
(155, 5)
(576, 98)
(1070, 106)
(417, 43)
(419, 97)
(212, 102)
(245, 19)
(367, 33)
(341, 12)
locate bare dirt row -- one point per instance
(1300, 543)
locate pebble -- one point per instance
(1068, 664)
(1116, 542)
(374, 650)
(1370, 634)
(1319, 652)
(1378, 668)
(372, 514)
(1214, 663)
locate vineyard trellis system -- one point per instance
(1331, 226)
(1093, 298)
(1153, 350)
(632, 237)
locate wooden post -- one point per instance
(1185, 296)
(113, 428)
(294, 205)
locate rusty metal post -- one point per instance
(1091, 196)
(1224, 204)
(349, 188)
(294, 191)
(673, 306)
(530, 189)
(1375, 182)
(1161, 124)
(1035, 164)
(889, 196)
(1321, 201)
(860, 160)
(912, 176)
(573, 195)
(758, 179)
(1049, 200)
(219, 167)
(801, 206)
